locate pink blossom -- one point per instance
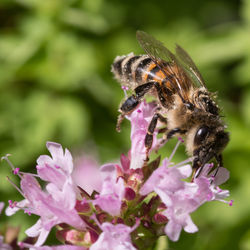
(178, 215)
(167, 178)
(177, 196)
(56, 169)
(121, 195)
(140, 119)
(54, 207)
(114, 237)
(86, 174)
(182, 198)
(208, 184)
(112, 192)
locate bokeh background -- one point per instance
(56, 85)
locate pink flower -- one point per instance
(53, 207)
(168, 183)
(86, 174)
(74, 197)
(112, 192)
(56, 169)
(114, 237)
(178, 215)
(182, 198)
(166, 178)
(208, 184)
(140, 119)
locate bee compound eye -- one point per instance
(201, 134)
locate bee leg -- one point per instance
(174, 131)
(144, 88)
(170, 134)
(151, 128)
(219, 163)
(162, 130)
(141, 90)
(130, 104)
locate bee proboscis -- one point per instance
(184, 103)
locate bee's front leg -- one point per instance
(169, 135)
(219, 163)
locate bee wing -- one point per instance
(161, 55)
(189, 66)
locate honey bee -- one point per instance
(184, 104)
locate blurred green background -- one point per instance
(56, 85)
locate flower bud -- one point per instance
(129, 194)
(160, 218)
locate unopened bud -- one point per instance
(160, 218)
(129, 194)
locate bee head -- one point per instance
(209, 142)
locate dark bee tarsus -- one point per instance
(174, 131)
(151, 129)
(130, 104)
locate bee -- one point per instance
(184, 103)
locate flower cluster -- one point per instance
(127, 205)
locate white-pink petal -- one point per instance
(221, 176)
(112, 191)
(185, 171)
(21, 204)
(173, 230)
(38, 230)
(114, 237)
(190, 227)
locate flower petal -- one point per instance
(190, 226)
(173, 230)
(185, 171)
(38, 230)
(221, 176)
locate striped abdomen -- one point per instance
(134, 70)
